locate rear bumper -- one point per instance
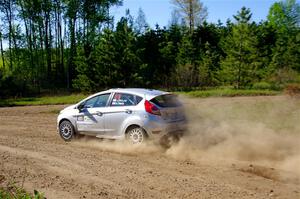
(161, 128)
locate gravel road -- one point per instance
(34, 156)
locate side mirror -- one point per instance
(80, 107)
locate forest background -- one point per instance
(52, 46)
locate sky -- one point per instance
(159, 11)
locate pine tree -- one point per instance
(127, 60)
(240, 65)
(186, 69)
(209, 66)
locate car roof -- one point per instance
(143, 92)
(148, 94)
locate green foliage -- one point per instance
(281, 77)
(83, 83)
(14, 192)
(73, 44)
(262, 86)
(46, 100)
(286, 52)
(74, 98)
(284, 15)
(241, 63)
(113, 63)
(1, 62)
(209, 66)
(229, 93)
(186, 51)
(186, 69)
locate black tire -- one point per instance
(136, 135)
(169, 139)
(66, 131)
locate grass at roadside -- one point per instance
(19, 193)
(46, 100)
(11, 190)
(229, 93)
(73, 98)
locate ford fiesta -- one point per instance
(132, 114)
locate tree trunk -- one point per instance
(8, 13)
(60, 40)
(191, 16)
(72, 52)
(47, 46)
(28, 38)
(1, 48)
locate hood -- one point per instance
(68, 108)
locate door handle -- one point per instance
(99, 113)
(128, 111)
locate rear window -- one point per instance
(166, 101)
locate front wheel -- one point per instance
(136, 135)
(66, 130)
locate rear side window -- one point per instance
(138, 99)
(124, 99)
(168, 100)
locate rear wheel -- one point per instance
(66, 130)
(136, 135)
(169, 139)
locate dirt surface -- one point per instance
(213, 161)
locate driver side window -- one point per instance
(123, 99)
(98, 101)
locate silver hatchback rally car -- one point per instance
(133, 114)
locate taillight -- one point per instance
(151, 108)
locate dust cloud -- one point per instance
(120, 146)
(257, 130)
(260, 130)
